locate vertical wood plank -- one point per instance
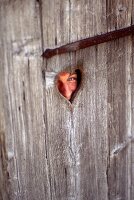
(61, 169)
(119, 120)
(23, 95)
(91, 127)
(132, 127)
(132, 111)
(3, 168)
(3, 151)
(119, 103)
(73, 135)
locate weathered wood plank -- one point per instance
(91, 126)
(132, 120)
(78, 163)
(3, 168)
(3, 152)
(23, 94)
(119, 103)
(118, 121)
(107, 117)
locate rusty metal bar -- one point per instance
(84, 43)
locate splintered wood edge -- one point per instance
(84, 43)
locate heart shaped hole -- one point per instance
(68, 84)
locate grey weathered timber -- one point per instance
(132, 120)
(3, 152)
(3, 169)
(24, 97)
(99, 129)
(58, 150)
(119, 104)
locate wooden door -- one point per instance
(59, 150)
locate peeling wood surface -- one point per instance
(57, 150)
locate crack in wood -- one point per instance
(91, 41)
(41, 22)
(122, 146)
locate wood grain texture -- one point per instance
(3, 168)
(77, 133)
(119, 120)
(23, 95)
(58, 150)
(101, 117)
(3, 152)
(119, 103)
(132, 120)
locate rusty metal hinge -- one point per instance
(84, 43)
